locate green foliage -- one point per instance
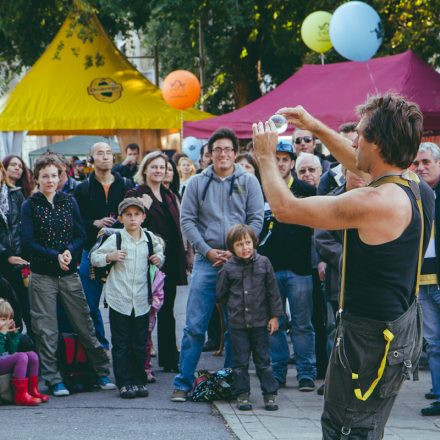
(250, 45)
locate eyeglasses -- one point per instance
(220, 150)
(303, 171)
(307, 139)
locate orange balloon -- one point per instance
(181, 89)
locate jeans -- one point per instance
(201, 303)
(430, 302)
(93, 290)
(297, 290)
(245, 341)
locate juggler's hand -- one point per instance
(299, 117)
(265, 138)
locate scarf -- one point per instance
(4, 202)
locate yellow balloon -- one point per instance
(314, 31)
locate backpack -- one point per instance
(101, 273)
(212, 386)
(75, 368)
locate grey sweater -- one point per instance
(211, 206)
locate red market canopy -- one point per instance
(331, 92)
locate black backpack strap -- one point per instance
(118, 241)
(150, 253)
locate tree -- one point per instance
(251, 45)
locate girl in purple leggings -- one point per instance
(23, 366)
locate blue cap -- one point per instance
(286, 147)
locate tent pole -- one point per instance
(322, 58)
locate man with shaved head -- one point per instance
(98, 198)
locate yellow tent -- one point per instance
(83, 84)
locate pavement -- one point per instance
(103, 415)
(298, 417)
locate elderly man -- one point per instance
(427, 166)
(308, 168)
(98, 198)
(388, 226)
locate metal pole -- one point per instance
(156, 66)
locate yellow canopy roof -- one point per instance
(90, 86)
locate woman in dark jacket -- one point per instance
(163, 218)
(53, 237)
(11, 262)
(19, 174)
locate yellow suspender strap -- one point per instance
(388, 335)
(357, 391)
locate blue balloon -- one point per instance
(191, 147)
(356, 31)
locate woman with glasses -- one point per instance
(163, 219)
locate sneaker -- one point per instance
(105, 383)
(431, 396)
(320, 390)
(270, 402)
(59, 390)
(243, 403)
(127, 392)
(432, 410)
(179, 396)
(141, 390)
(306, 385)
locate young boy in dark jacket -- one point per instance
(247, 285)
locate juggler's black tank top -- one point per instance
(380, 279)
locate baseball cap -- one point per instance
(286, 147)
(130, 201)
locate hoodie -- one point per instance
(211, 206)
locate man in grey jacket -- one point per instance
(214, 201)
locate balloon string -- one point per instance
(372, 78)
(181, 130)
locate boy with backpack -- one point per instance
(128, 294)
(247, 284)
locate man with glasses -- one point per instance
(427, 166)
(305, 142)
(308, 168)
(98, 198)
(288, 248)
(214, 201)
